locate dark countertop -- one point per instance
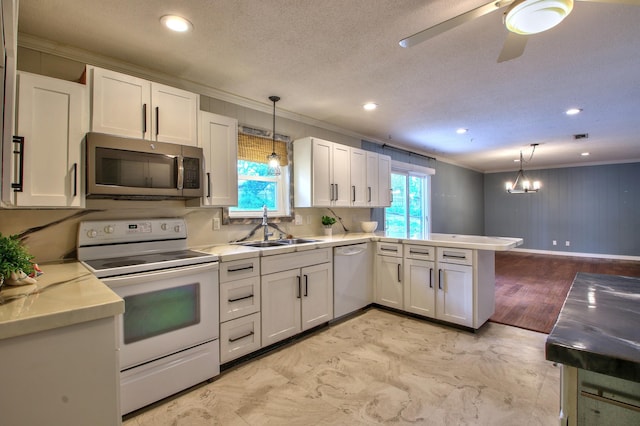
(598, 328)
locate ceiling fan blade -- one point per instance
(452, 23)
(631, 2)
(513, 47)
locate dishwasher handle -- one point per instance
(351, 250)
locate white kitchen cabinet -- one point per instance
(296, 299)
(388, 269)
(218, 139)
(71, 373)
(321, 173)
(454, 300)
(420, 281)
(360, 193)
(378, 180)
(133, 107)
(51, 123)
(240, 325)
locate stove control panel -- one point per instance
(135, 230)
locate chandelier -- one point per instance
(522, 184)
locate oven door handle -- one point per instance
(143, 277)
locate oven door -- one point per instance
(166, 311)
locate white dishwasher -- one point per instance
(352, 273)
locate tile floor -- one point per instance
(381, 368)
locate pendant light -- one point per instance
(273, 158)
(522, 185)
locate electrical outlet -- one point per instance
(567, 243)
(308, 219)
(554, 242)
(216, 223)
(298, 219)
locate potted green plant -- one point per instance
(327, 223)
(15, 260)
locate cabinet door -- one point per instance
(340, 165)
(372, 179)
(389, 281)
(174, 115)
(419, 287)
(121, 104)
(322, 176)
(219, 142)
(51, 118)
(384, 181)
(281, 294)
(358, 165)
(317, 295)
(454, 300)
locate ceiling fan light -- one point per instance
(535, 16)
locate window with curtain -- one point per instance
(256, 187)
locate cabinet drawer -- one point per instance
(457, 256)
(238, 269)
(239, 298)
(412, 251)
(389, 249)
(300, 259)
(239, 337)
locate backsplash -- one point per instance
(51, 235)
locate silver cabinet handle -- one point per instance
(353, 188)
(399, 270)
(337, 192)
(331, 197)
(242, 268)
(369, 188)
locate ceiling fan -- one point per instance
(521, 17)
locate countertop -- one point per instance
(66, 294)
(598, 328)
(230, 252)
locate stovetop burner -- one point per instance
(121, 247)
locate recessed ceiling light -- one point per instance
(585, 154)
(176, 23)
(370, 106)
(573, 111)
(461, 131)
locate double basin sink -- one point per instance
(279, 243)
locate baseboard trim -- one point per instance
(577, 254)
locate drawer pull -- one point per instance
(237, 299)
(610, 401)
(241, 337)
(412, 251)
(242, 268)
(454, 256)
(394, 250)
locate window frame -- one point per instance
(284, 197)
(425, 173)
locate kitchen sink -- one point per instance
(278, 243)
(265, 244)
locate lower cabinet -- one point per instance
(388, 271)
(295, 300)
(449, 284)
(240, 328)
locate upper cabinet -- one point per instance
(328, 174)
(133, 107)
(321, 173)
(219, 141)
(51, 122)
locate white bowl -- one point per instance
(368, 226)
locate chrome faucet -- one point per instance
(265, 225)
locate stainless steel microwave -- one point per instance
(138, 169)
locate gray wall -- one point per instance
(595, 208)
(457, 198)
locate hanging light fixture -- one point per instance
(273, 158)
(522, 185)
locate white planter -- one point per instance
(328, 231)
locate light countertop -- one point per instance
(229, 252)
(66, 294)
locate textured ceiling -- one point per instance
(325, 58)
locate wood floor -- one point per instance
(531, 288)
